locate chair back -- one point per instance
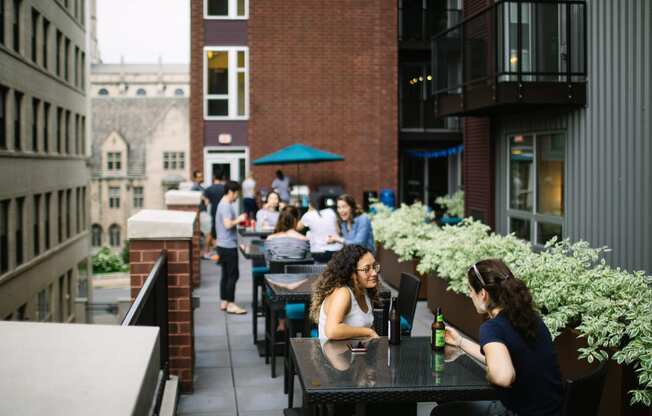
(408, 293)
(304, 268)
(582, 395)
(276, 266)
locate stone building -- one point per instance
(44, 239)
(140, 143)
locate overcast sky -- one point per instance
(141, 30)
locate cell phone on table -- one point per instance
(357, 347)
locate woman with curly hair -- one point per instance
(342, 302)
(515, 345)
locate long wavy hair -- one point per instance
(350, 201)
(509, 293)
(287, 219)
(339, 271)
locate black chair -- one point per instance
(279, 266)
(304, 268)
(408, 293)
(582, 395)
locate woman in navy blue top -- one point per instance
(355, 225)
(515, 345)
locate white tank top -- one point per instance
(356, 316)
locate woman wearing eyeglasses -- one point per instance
(515, 345)
(342, 302)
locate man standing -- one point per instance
(227, 242)
(212, 195)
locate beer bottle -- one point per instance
(439, 331)
(394, 330)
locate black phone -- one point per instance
(357, 347)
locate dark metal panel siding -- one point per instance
(225, 32)
(608, 149)
(479, 170)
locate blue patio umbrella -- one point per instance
(297, 154)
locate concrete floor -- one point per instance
(230, 378)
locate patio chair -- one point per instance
(408, 294)
(582, 395)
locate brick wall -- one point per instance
(142, 256)
(325, 74)
(195, 254)
(196, 116)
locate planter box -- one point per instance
(392, 269)
(460, 312)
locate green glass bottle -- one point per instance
(440, 331)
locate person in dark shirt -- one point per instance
(515, 344)
(212, 197)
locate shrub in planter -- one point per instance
(106, 261)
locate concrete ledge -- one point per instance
(153, 224)
(182, 198)
(170, 397)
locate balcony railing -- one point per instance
(151, 309)
(513, 55)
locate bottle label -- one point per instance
(440, 342)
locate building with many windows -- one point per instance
(140, 143)
(44, 238)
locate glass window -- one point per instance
(138, 197)
(46, 39)
(34, 27)
(48, 198)
(227, 83)
(36, 221)
(20, 218)
(114, 197)
(141, 92)
(16, 25)
(2, 21)
(68, 213)
(179, 92)
(536, 159)
(66, 128)
(57, 52)
(35, 105)
(69, 293)
(4, 236)
(3, 117)
(114, 161)
(44, 305)
(18, 104)
(96, 235)
(114, 235)
(60, 217)
(82, 280)
(226, 9)
(66, 60)
(78, 211)
(103, 91)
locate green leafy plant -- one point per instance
(106, 261)
(571, 283)
(454, 204)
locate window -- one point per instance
(3, 117)
(114, 235)
(2, 21)
(34, 28)
(4, 236)
(83, 70)
(66, 129)
(36, 221)
(35, 105)
(69, 293)
(60, 217)
(113, 161)
(46, 41)
(141, 92)
(536, 186)
(77, 135)
(18, 113)
(61, 301)
(226, 9)
(44, 305)
(46, 127)
(179, 92)
(83, 136)
(82, 279)
(58, 52)
(114, 197)
(17, 4)
(174, 160)
(68, 213)
(66, 60)
(78, 210)
(96, 235)
(20, 217)
(103, 91)
(83, 207)
(48, 198)
(59, 122)
(138, 197)
(76, 65)
(226, 84)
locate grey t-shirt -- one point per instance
(226, 238)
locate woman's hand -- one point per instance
(452, 337)
(372, 333)
(334, 239)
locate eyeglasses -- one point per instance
(477, 274)
(369, 267)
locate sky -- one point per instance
(143, 30)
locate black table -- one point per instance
(253, 251)
(297, 293)
(246, 232)
(410, 372)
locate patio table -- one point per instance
(410, 372)
(253, 251)
(246, 232)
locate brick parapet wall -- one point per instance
(196, 249)
(142, 256)
(196, 115)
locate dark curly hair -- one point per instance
(507, 292)
(338, 274)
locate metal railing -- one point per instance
(150, 308)
(513, 40)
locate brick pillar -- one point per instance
(188, 201)
(151, 231)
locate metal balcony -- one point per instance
(516, 55)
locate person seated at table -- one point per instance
(343, 295)
(355, 225)
(287, 243)
(515, 345)
(267, 216)
(321, 223)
